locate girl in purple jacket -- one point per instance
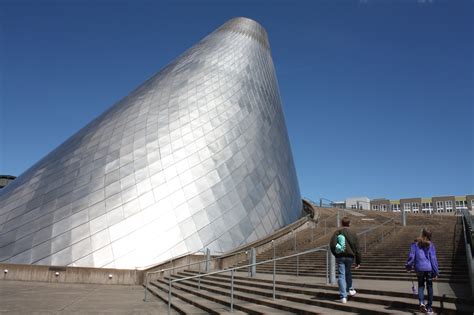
(423, 257)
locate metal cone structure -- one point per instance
(196, 157)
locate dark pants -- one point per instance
(425, 276)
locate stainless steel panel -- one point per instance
(197, 156)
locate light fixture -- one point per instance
(110, 276)
(5, 271)
(56, 273)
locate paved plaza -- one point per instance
(24, 297)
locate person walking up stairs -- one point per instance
(345, 247)
(423, 258)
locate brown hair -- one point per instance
(345, 221)
(424, 240)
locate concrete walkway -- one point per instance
(24, 297)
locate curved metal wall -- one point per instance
(197, 156)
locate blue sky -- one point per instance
(377, 95)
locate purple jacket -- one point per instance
(424, 259)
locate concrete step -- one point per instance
(292, 302)
(404, 256)
(401, 276)
(365, 263)
(368, 253)
(364, 268)
(392, 300)
(198, 302)
(393, 264)
(297, 283)
(443, 274)
(181, 305)
(248, 303)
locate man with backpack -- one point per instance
(345, 246)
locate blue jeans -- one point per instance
(344, 280)
(425, 276)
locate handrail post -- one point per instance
(294, 240)
(332, 269)
(169, 296)
(365, 243)
(470, 262)
(208, 259)
(295, 249)
(146, 286)
(327, 266)
(274, 268)
(297, 266)
(249, 257)
(312, 232)
(199, 279)
(232, 290)
(253, 260)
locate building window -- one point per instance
(406, 207)
(449, 205)
(461, 204)
(472, 203)
(383, 207)
(353, 207)
(396, 207)
(415, 206)
(439, 206)
(426, 207)
(375, 207)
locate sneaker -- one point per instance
(343, 300)
(429, 311)
(422, 308)
(352, 292)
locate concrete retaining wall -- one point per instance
(61, 274)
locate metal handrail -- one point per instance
(467, 221)
(324, 248)
(185, 265)
(469, 253)
(214, 258)
(311, 201)
(365, 232)
(211, 259)
(200, 262)
(265, 241)
(375, 227)
(331, 203)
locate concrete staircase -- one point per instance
(381, 260)
(254, 296)
(309, 294)
(386, 261)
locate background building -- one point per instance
(438, 204)
(362, 203)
